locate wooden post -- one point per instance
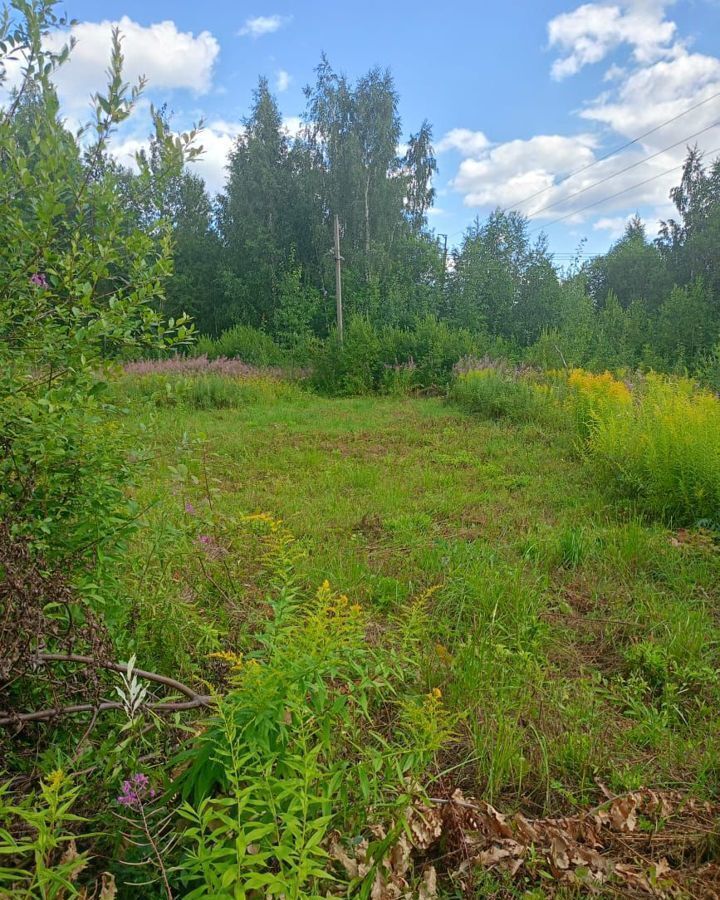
(338, 281)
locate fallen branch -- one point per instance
(194, 699)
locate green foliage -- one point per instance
(208, 391)
(293, 752)
(353, 367)
(43, 859)
(79, 283)
(664, 450)
(392, 359)
(495, 394)
(242, 342)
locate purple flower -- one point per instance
(205, 539)
(135, 790)
(38, 279)
(189, 508)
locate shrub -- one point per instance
(592, 397)
(392, 360)
(708, 370)
(242, 342)
(354, 367)
(293, 753)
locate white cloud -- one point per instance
(171, 59)
(615, 225)
(262, 25)
(282, 80)
(292, 125)
(653, 78)
(217, 140)
(469, 143)
(505, 174)
(592, 31)
(655, 93)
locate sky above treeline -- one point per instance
(521, 95)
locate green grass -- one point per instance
(579, 643)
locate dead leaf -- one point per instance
(108, 891)
(428, 885)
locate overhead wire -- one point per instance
(632, 187)
(617, 150)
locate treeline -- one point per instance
(259, 254)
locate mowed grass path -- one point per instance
(579, 643)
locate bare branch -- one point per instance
(194, 700)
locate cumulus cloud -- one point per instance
(652, 78)
(507, 173)
(282, 80)
(469, 143)
(261, 25)
(217, 139)
(614, 225)
(589, 33)
(170, 58)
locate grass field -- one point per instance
(577, 642)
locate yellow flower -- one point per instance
(55, 779)
(232, 659)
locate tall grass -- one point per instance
(202, 384)
(655, 439)
(664, 449)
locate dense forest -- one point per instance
(259, 253)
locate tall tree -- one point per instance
(633, 269)
(251, 211)
(420, 167)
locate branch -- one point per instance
(194, 699)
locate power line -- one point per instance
(634, 165)
(617, 150)
(612, 196)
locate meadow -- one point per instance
(561, 626)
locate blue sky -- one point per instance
(519, 94)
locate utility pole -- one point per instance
(443, 243)
(444, 250)
(338, 281)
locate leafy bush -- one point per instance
(708, 370)
(252, 346)
(353, 367)
(80, 283)
(390, 359)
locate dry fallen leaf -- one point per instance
(108, 891)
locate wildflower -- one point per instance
(189, 508)
(55, 779)
(435, 694)
(205, 539)
(235, 660)
(38, 279)
(134, 790)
